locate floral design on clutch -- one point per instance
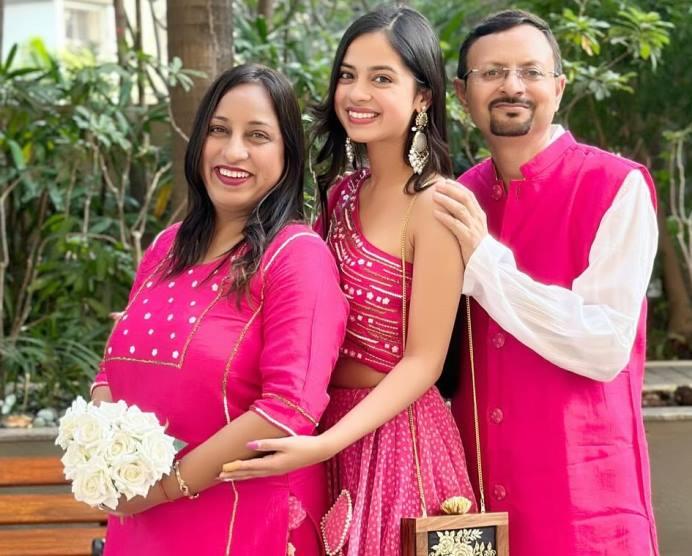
(463, 542)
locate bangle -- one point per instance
(182, 485)
(163, 489)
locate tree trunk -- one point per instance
(120, 30)
(266, 8)
(138, 48)
(200, 33)
(679, 303)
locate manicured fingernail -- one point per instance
(230, 467)
(253, 445)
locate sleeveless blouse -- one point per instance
(371, 280)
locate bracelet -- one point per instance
(165, 493)
(182, 485)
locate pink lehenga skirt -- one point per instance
(380, 473)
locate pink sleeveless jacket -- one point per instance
(565, 455)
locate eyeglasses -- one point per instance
(495, 73)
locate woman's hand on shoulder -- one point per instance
(287, 454)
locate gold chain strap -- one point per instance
(404, 331)
(411, 417)
(475, 408)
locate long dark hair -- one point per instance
(283, 203)
(412, 37)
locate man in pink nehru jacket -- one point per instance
(559, 240)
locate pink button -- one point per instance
(499, 492)
(498, 340)
(496, 416)
(497, 192)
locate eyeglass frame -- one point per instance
(507, 71)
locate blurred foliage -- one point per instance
(82, 182)
(84, 167)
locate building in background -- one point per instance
(74, 25)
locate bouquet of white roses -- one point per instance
(112, 450)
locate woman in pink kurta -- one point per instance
(217, 362)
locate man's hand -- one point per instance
(458, 209)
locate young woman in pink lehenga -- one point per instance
(392, 441)
(231, 332)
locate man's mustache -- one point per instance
(510, 100)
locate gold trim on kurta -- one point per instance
(224, 384)
(195, 328)
(236, 347)
(236, 499)
(292, 405)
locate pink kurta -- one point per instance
(180, 339)
(565, 455)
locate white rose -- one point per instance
(119, 445)
(74, 457)
(91, 431)
(132, 476)
(158, 450)
(139, 424)
(92, 484)
(68, 423)
(112, 412)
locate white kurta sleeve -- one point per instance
(590, 328)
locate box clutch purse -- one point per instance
(481, 534)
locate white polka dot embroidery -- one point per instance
(176, 354)
(169, 317)
(214, 287)
(170, 300)
(125, 332)
(110, 350)
(171, 284)
(190, 271)
(150, 331)
(145, 301)
(147, 316)
(194, 283)
(132, 349)
(150, 284)
(154, 352)
(192, 320)
(193, 303)
(172, 336)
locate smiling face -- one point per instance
(243, 155)
(376, 93)
(511, 107)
